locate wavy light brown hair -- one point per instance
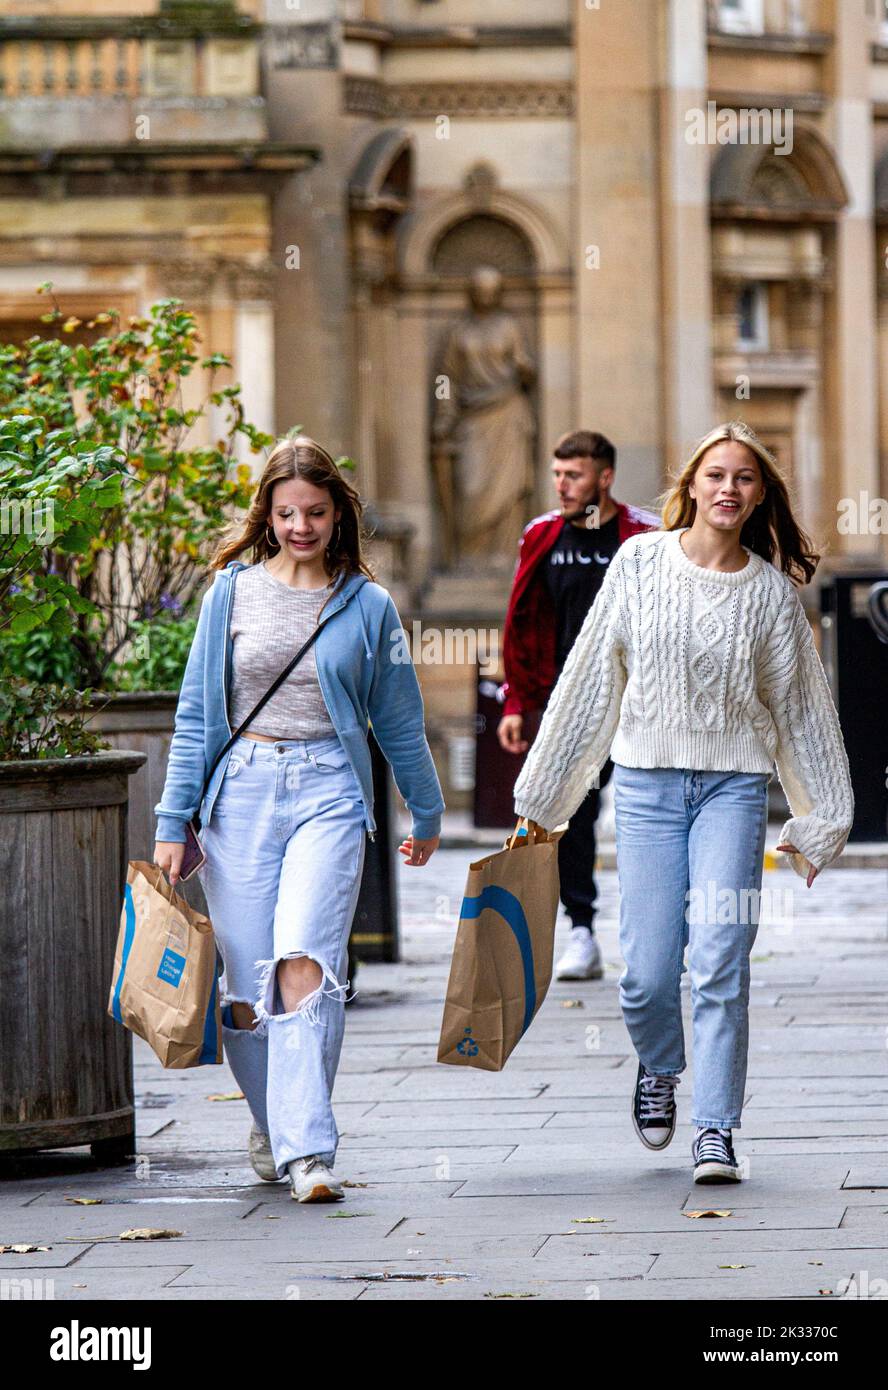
(771, 531)
(305, 458)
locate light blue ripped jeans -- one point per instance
(285, 852)
(690, 849)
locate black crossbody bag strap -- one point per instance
(275, 685)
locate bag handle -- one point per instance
(529, 828)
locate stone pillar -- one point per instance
(685, 262)
(851, 453)
(618, 320)
(368, 273)
(254, 353)
(194, 282)
(314, 368)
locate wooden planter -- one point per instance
(144, 720)
(140, 720)
(65, 1065)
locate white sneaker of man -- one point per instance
(582, 957)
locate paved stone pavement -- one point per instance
(529, 1183)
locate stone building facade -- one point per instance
(686, 202)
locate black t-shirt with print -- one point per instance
(574, 569)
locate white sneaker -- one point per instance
(259, 1149)
(312, 1181)
(582, 959)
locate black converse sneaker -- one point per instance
(713, 1157)
(653, 1108)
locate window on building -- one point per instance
(752, 317)
(741, 16)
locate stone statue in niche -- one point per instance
(483, 429)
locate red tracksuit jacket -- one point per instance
(529, 633)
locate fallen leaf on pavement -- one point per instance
(22, 1249)
(694, 1214)
(588, 1221)
(147, 1233)
(85, 1201)
(511, 1295)
(227, 1095)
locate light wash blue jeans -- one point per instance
(285, 851)
(690, 849)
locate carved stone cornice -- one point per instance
(522, 99)
(195, 281)
(365, 96)
(252, 281)
(189, 280)
(368, 96)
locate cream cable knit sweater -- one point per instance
(679, 666)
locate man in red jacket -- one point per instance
(562, 560)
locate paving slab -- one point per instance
(529, 1182)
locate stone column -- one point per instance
(194, 282)
(851, 452)
(618, 338)
(685, 261)
(254, 352)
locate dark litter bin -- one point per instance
(374, 934)
(496, 771)
(854, 622)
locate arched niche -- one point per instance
(483, 240)
(774, 222)
(440, 243)
(422, 232)
(754, 180)
(382, 178)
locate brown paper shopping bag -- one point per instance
(164, 986)
(502, 958)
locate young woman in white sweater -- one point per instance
(696, 671)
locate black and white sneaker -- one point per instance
(713, 1157)
(653, 1108)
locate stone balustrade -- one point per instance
(116, 82)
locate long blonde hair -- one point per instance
(302, 457)
(771, 531)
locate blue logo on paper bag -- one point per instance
(509, 908)
(129, 936)
(467, 1047)
(171, 967)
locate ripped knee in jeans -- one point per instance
(237, 1014)
(308, 1005)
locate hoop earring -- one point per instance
(272, 541)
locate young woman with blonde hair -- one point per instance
(696, 671)
(285, 812)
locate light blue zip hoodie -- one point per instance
(365, 673)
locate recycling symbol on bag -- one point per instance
(467, 1047)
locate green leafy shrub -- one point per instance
(158, 654)
(55, 488)
(44, 721)
(124, 393)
